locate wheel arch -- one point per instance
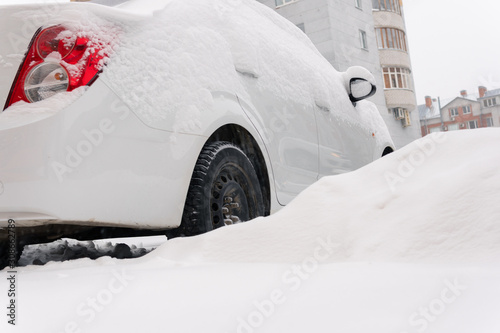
(387, 151)
(240, 137)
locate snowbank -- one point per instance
(434, 201)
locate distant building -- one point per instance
(490, 107)
(463, 112)
(430, 116)
(346, 34)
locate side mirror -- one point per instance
(360, 83)
(360, 89)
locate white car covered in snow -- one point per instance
(187, 114)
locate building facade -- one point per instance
(490, 107)
(430, 116)
(395, 62)
(345, 32)
(463, 112)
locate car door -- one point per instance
(344, 143)
(289, 130)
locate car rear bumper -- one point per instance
(94, 163)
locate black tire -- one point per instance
(224, 190)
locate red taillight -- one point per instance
(58, 60)
(48, 41)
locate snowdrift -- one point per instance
(422, 224)
(434, 201)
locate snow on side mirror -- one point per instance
(360, 83)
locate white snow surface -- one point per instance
(409, 243)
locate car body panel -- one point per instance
(92, 162)
(291, 137)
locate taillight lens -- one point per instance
(58, 59)
(44, 81)
(53, 39)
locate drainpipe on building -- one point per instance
(481, 113)
(440, 114)
(425, 126)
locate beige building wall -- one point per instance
(392, 17)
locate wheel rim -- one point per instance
(229, 200)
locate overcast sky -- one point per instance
(454, 45)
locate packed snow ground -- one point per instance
(409, 243)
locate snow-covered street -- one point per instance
(409, 243)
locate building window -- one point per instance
(489, 122)
(466, 109)
(454, 112)
(358, 3)
(302, 27)
(453, 127)
(390, 38)
(362, 40)
(434, 129)
(396, 78)
(387, 5)
(490, 102)
(283, 2)
(472, 124)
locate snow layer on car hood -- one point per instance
(434, 201)
(167, 67)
